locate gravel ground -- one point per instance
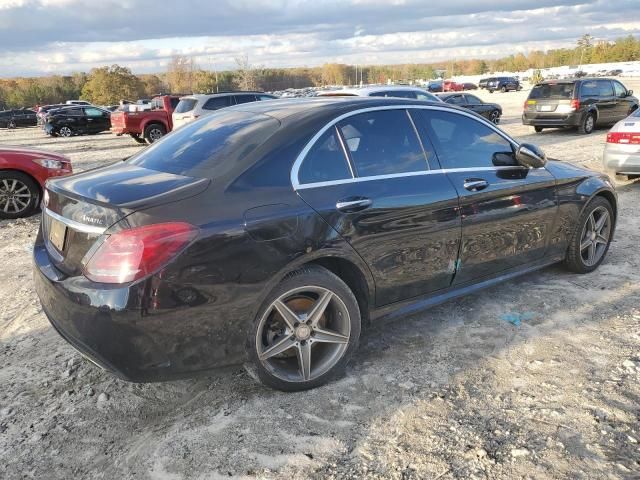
(454, 392)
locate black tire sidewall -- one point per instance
(307, 276)
(33, 188)
(147, 132)
(574, 259)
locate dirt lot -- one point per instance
(455, 392)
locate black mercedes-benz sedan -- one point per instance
(271, 233)
(492, 111)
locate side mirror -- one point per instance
(531, 156)
(629, 93)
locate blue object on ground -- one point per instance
(516, 318)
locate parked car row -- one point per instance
(21, 117)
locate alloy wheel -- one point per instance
(155, 134)
(15, 196)
(589, 124)
(11, 124)
(595, 237)
(303, 334)
(495, 117)
(64, 132)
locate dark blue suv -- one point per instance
(504, 84)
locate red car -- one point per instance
(451, 86)
(23, 172)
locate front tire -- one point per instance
(538, 129)
(306, 331)
(592, 236)
(65, 132)
(11, 124)
(19, 195)
(503, 89)
(494, 117)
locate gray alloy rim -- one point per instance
(155, 134)
(595, 236)
(11, 124)
(303, 334)
(65, 132)
(495, 117)
(588, 126)
(15, 196)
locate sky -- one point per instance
(41, 37)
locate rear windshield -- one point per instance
(208, 147)
(186, 105)
(553, 90)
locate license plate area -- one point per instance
(546, 108)
(57, 234)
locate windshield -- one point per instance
(186, 105)
(208, 147)
(553, 90)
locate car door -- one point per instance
(17, 117)
(507, 210)
(607, 103)
(474, 104)
(373, 181)
(96, 121)
(624, 101)
(74, 118)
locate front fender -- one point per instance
(598, 185)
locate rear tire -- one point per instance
(19, 195)
(137, 138)
(538, 129)
(588, 124)
(297, 350)
(494, 117)
(11, 124)
(154, 132)
(591, 237)
(503, 89)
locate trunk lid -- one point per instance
(80, 208)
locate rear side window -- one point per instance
(589, 89)
(174, 102)
(463, 142)
(209, 147)
(456, 100)
(265, 97)
(216, 103)
(472, 99)
(325, 161)
(186, 105)
(604, 88)
(552, 90)
(93, 112)
(245, 98)
(383, 142)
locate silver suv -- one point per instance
(195, 106)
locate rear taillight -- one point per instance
(627, 138)
(575, 104)
(131, 254)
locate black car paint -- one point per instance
(254, 229)
(606, 110)
(76, 118)
(23, 117)
(471, 102)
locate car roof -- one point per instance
(204, 96)
(365, 91)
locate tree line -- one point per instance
(110, 84)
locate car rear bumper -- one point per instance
(539, 119)
(624, 159)
(116, 328)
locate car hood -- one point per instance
(31, 152)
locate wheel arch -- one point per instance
(598, 187)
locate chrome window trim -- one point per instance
(347, 157)
(415, 130)
(301, 156)
(407, 174)
(80, 227)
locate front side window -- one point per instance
(456, 100)
(216, 103)
(383, 142)
(93, 112)
(463, 142)
(325, 161)
(426, 96)
(621, 92)
(472, 99)
(264, 97)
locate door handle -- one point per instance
(475, 184)
(349, 205)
